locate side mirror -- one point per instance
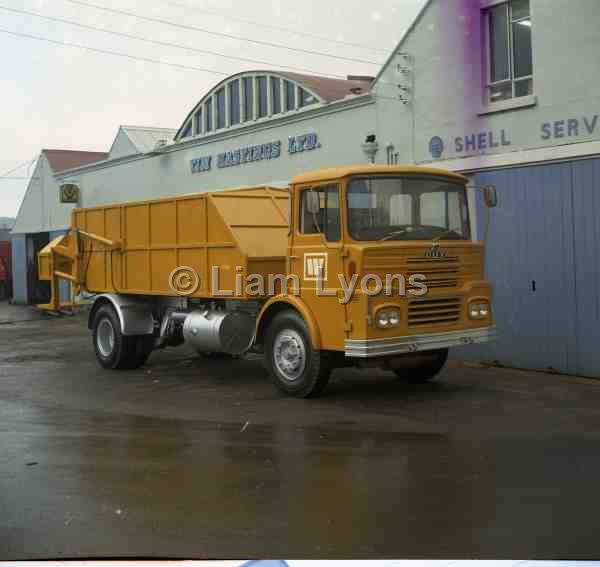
(312, 202)
(490, 196)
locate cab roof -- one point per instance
(368, 169)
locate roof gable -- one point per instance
(144, 139)
(61, 160)
(404, 37)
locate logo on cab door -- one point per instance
(315, 266)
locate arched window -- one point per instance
(245, 98)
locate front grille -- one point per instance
(439, 273)
(433, 311)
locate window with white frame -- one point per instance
(263, 96)
(234, 102)
(243, 99)
(221, 109)
(510, 67)
(248, 83)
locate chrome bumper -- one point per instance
(371, 348)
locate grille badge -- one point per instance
(436, 252)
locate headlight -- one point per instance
(479, 310)
(388, 318)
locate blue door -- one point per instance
(543, 258)
(530, 263)
(586, 233)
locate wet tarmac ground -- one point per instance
(202, 458)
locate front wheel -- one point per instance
(421, 367)
(294, 366)
(115, 350)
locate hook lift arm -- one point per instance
(63, 259)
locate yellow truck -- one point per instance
(365, 265)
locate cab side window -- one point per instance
(327, 219)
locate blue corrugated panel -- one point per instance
(543, 260)
(19, 268)
(586, 231)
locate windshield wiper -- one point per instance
(418, 228)
(391, 235)
(446, 233)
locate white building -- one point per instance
(507, 91)
(42, 216)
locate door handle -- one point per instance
(533, 286)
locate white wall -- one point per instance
(41, 209)
(448, 74)
(122, 146)
(341, 131)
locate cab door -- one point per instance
(316, 258)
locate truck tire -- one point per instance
(421, 367)
(294, 366)
(115, 350)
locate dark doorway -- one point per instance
(37, 291)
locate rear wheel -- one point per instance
(115, 350)
(294, 366)
(421, 367)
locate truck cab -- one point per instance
(390, 272)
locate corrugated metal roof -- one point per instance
(331, 89)
(60, 160)
(145, 138)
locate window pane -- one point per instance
(499, 41)
(327, 220)
(503, 91)
(397, 208)
(276, 94)
(234, 102)
(524, 87)
(333, 232)
(221, 109)
(209, 115)
(522, 48)
(290, 96)
(248, 99)
(401, 209)
(520, 9)
(433, 209)
(262, 97)
(187, 132)
(306, 99)
(198, 125)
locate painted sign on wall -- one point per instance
(256, 153)
(570, 127)
(272, 150)
(483, 142)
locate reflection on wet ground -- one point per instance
(190, 457)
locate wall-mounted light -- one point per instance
(370, 147)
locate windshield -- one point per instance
(396, 208)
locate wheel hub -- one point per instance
(105, 337)
(290, 354)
